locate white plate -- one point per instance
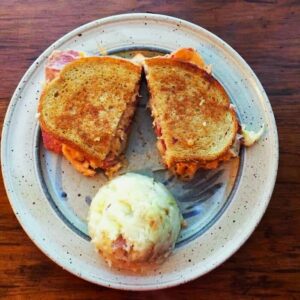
(222, 207)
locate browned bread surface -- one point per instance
(84, 105)
(192, 110)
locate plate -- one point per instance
(222, 207)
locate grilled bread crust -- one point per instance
(84, 106)
(191, 110)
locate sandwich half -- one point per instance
(193, 119)
(86, 108)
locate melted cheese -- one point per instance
(250, 137)
(192, 56)
(78, 161)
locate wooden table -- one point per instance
(267, 34)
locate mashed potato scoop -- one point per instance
(134, 222)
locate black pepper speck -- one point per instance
(64, 194)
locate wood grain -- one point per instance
(266, 33)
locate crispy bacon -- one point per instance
(120, 242)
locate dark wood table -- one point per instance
(267, 34)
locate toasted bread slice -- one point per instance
(89, 107)
(192, 115)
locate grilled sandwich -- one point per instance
(193, 119)
(86, 108)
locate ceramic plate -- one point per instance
(222, 207)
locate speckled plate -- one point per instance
(222, 207)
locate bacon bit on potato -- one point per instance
(120, 242)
